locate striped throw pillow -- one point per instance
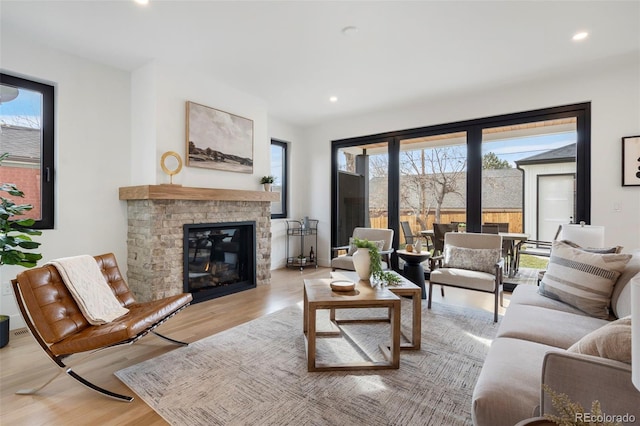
(581, 279)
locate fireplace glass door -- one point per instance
(219, 259)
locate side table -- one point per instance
(413, 269)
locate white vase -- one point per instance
(267, 186)
(418, 246)
(362, 263)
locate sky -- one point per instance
(517, 149)
(25, 110)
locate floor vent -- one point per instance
(20, 332)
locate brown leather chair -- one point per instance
(58, 325)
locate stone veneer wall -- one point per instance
(155, 240)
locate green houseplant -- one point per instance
(15, 238)
(267, 181)
(15, 234)
(375, 265)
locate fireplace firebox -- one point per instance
(219, 259)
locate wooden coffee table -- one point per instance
(319, 295)
(405, 289)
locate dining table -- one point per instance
(515, 239)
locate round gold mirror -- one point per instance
(171, 164)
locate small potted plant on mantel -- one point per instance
(14, 238)
(267, 181)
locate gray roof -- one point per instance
(563, 154)
(22, 142)
(501, 189)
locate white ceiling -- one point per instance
(293, 54)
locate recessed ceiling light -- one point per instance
(349, 31)
(333, 99)
(142, 2)
(580, 36)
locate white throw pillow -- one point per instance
(581, 279)
(612, 341)
(472, 259)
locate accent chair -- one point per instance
(471, 261)
(345, 261)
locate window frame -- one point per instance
(47, 194)
(582, 112)
(285, 178)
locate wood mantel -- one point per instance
(179, 192)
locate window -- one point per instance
(26, 134)
(279, 168)
(504, 169)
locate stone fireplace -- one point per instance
(155, 241)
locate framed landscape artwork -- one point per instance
(218, 140)
(631, 161)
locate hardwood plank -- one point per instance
(64, 401)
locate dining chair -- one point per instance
(409, 236)
(507, 245)
(439, 230)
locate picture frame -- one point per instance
(218, 140)
(631, 161)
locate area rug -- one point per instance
(256, 374)
(525, 276)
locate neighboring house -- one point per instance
(501, 190)
(22, 167)
(549, 191)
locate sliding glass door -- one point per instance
(529, 170)
(528, 173)
(361, 189)
(433, 181)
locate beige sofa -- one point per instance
(530, 349)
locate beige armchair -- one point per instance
(471, 261)
(345, 261)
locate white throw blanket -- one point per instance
(89, 288)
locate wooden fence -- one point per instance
(513, 218)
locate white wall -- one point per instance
(92, 154)
(159, 95)
(613, 88)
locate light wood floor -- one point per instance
(65, 401)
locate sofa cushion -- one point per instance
(483, 260)
(582, 279)
(508, 388)
(547, 326)
(612, 341)
(528, 295)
